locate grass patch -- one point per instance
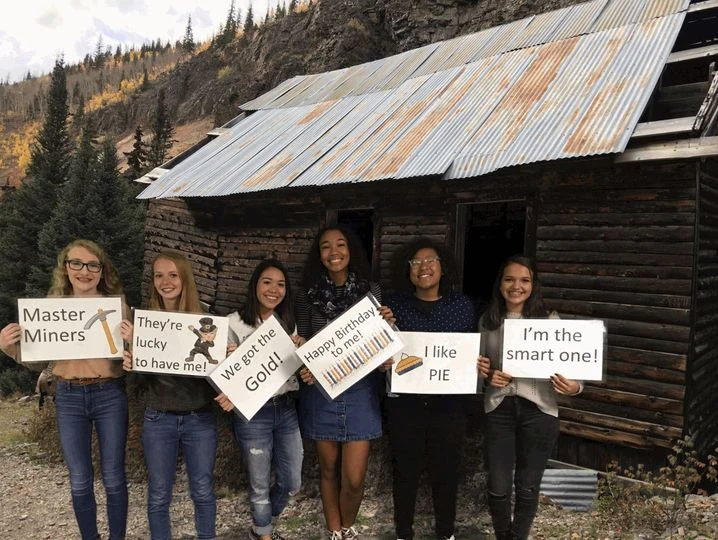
(14, 419)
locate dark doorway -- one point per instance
(493, 232)
(360, 222)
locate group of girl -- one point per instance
(521, 414)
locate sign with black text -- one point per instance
(70, 328)
(259, 366)
(350, 347)
(436, 363)
(178, 343)
(540, 348)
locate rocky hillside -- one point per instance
(331, 34)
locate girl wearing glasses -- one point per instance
(178, 413)
(427, 428)
(336, 276)
(88, 392)
(521, 414)
(272, 436)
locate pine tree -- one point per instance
(249, 22)
(34, 201)
(137, 157)
(98, 60)
(67, 218)
(188, 40)
(145, 78)
(227, 34)
(162, 132)
(292, 6)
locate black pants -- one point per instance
(426, 430)
(518, 436)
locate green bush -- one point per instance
(15, 379)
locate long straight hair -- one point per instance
(109, 285)
(534, 307)
(285, 309)
(189, 297)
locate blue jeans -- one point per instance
(162, 435)
(78, 408)
(272, 437)
(519, 439)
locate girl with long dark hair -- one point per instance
(271, 439)
(521, 414)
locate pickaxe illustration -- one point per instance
(102, 317)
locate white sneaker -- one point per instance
(349, 533)
(335, 535)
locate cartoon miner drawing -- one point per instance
(205, 339)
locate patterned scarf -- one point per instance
(332, 301)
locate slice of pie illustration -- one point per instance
(407, 363)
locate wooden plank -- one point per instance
(600, 310)
(626, 219)
(664, 233)
(650, 391)
(640, 371)
(701, 6)
(642, 299)
(614, 264)
(621, 246)
(608, 435)
(629, 284)
(691, 54)
(652, 358)
(671, 126)
(682, 149)
(629, 425)
(648, 344)
(622, 411)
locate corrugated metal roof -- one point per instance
(504, 96)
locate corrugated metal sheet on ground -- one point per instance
(574, 489)
(574, 97)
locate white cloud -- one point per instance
(32, 39)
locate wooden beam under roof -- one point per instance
(660, 151)
(672, 126)
(692, 54)
(700, 6)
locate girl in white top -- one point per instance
(272, 435)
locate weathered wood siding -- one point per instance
(241, 250)
(172, 225)
(702, 398)
(625, 255)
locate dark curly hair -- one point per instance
(400, 265)
(358, 263)
(533, 308)
(285, 309)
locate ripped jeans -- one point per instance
(271, 438)
(519, 439)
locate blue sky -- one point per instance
(32, 37)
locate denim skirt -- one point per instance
(353, 416)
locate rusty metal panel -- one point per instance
(266, 99)
(574, 489)
(432, 143)
(580, 20)
(619, 13)
(504, 38)
(378, 107)
(661, 8)
(541, 28)
(455, 52)
(578, 97)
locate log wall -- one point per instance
(611, 243)
(702, 398)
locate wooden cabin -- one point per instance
(584, 137)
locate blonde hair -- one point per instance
(109, 285)
(189, 297)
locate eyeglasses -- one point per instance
(76, 264)
(419, 262)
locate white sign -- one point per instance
(539, 348)
(436, 363)
(178, 343)
(70, 327)
(257, 368)
(350, 347)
